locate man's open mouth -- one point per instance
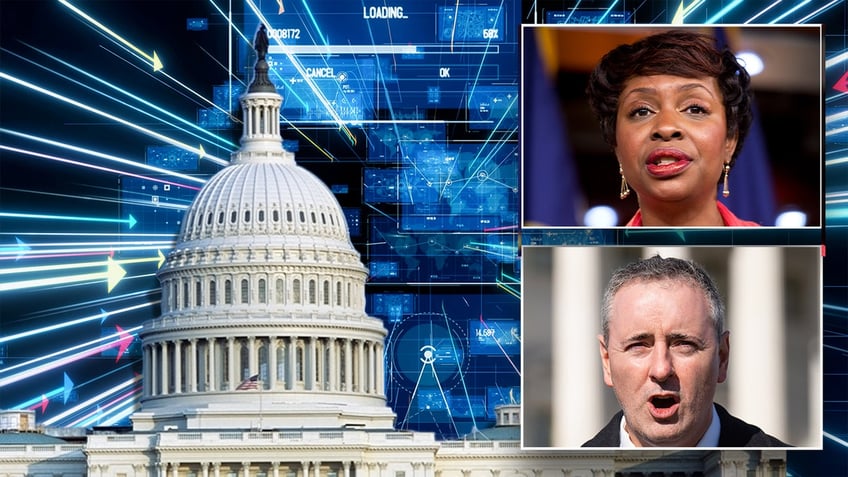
(664, 406)
(663, 402)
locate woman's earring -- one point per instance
(625, 189)
(726, 191)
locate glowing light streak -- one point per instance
(188, 127)
(38, 401)
(483, 248)
(836, 117)
(503, 286)
(570, 13)
(306, 78)
(106, 248)
(92, 166)
(67, 324)
(17, 251)
(498, 342)
(683, 12)
(153, 59)
(108, 157)
(724, 11)
(820, 10)
(96, 416)
(762, 12)
(836, 162)
(835, 60)
(836, 439)
(133, 406)
(606, 13)
(789, 12)
(113, 274)
(458, 364)
(129, 124)
(94, 400)
(130, 220)
(121, 339)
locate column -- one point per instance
(576, 284)
(381, 369)
(304, 469)
(332, 379)
(292, 363)
(192, 365)
(347, 385)
(360, 368)
(210, 364)
(275, 469)
(309, 363)
(251, 356)
(245, 469)
(755, 313)
(316, 468)
(231, 366)
(204, 469)
(178, 366)
(147, 380)
(154, 369)
(216, 467)
(175, 468)
(369, 366)
(346, 467)
(164, 367)
(272, 362)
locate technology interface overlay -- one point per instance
(91, 201)
(407, 112)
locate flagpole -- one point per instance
(261, 385)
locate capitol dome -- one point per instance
(263, 300)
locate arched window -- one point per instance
(311, 292)
(326, 291)
(198, 294)
(233, 217)
(262, 359)
(262, 291)
(302, 217)
(296, 290)
(228, 292)
(281, 364)
(244, 290)
(212, 297)
(260, 216)
(220, 218)
(247, 216)
(339, 293)
(280, 290)
(244, 360)
(186, 300)
(276, 215)
(298, 366)
(289, 216)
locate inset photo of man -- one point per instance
(629, 347)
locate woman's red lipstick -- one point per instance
(665, 163)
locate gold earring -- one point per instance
(726, 191)
(625, 189)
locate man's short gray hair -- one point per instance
(656, 269)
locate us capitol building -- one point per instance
(264, 363)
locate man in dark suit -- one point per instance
(664, 350)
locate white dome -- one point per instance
(264, 198)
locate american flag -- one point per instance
(249, 383)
